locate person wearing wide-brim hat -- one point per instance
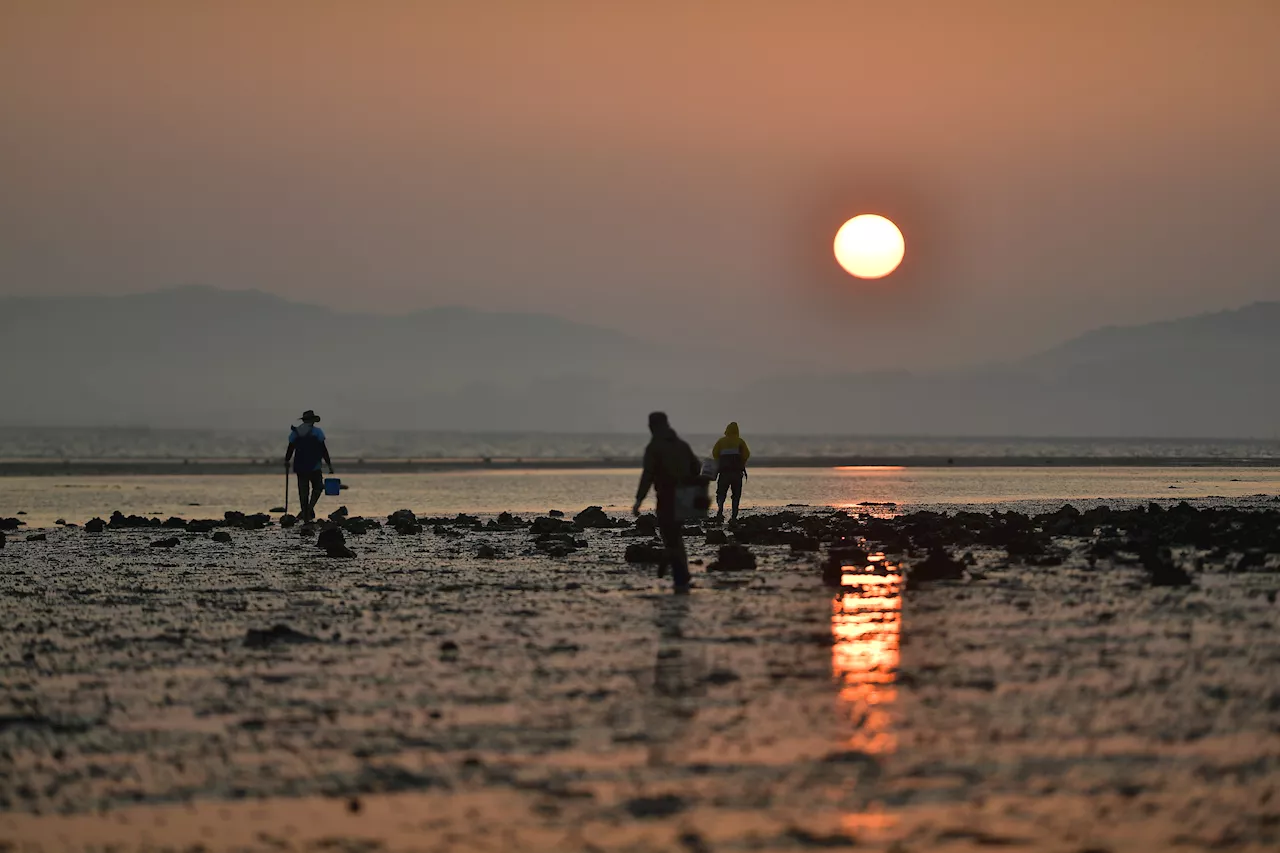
(307, 450)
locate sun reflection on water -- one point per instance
(866, 621)
(866, 624)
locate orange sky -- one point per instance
(1054, 165)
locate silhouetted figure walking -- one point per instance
(308, 450)
(731, 454)
(669, 463)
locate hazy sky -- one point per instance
(674, 169)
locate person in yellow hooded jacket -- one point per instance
(731, 454)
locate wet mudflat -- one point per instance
(1069, 682)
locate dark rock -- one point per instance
(171, 542)
(1161, 569)
(174, 523)
(555, 513)
(643, 552)
(10, 523)
(733, 558)
(340, 514)
(558, 545)
(331, 536)
(359, 525)
(593, 517)
(1251, 561)
(277, 509)
(256, 638)
(848, 555)
(232, 517)
(486, 552)
(257, 521)
(221, 536)
(693, 842)
(664, 805)
(647, 524)
(404, 522)
(95, 525)
(37, 537)
(717, 537)
(287, 521)
(119, 521)
(334, 543)
(2, 538)
(549, 526)
(938, 566)
(204, 525)
(62, 522)
(449, 649)
(805, 838)
(722, 676)
(805, 545)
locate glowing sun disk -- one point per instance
(869, 246)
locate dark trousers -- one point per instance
(729, 480)
(672, 530)
(310, 488)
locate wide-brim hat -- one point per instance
(310, 417)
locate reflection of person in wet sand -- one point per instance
(678, 683)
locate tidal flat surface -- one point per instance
(256, 695)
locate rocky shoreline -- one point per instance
(1222, 537)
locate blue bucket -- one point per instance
(332, 486)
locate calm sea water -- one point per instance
(71, 443)
(46, 499)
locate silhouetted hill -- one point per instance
(206, 357)
(1209, 375)
(242, 358)
(1223, 339)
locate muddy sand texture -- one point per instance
(1097, 681)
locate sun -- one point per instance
(869, 246)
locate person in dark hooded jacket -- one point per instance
(669, 462)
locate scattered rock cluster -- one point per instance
(1153, 538)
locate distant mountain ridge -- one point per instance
(1216, 334)
(1211, 375)
(198, 355)
(201, 357)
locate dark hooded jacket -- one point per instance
(668, 462)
